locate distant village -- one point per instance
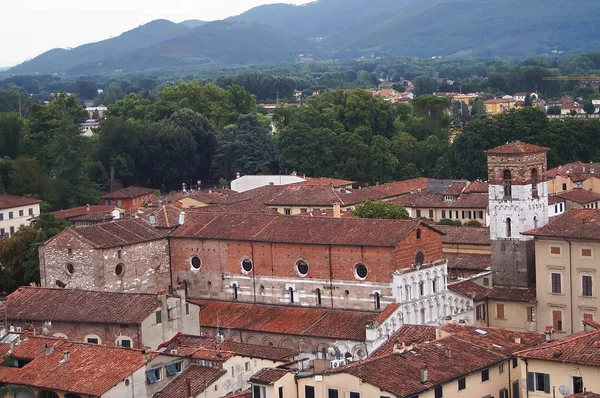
(272, 288)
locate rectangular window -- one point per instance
(331, 393)
(92, 340)
(443, 213)
(577, 385)
(450, 214)
(431, 214)
(500, 311)
(555, 250)
(126, 343)
(247, 366)
(303, 210)
(309, 392)
(418, 213)
(438, 392)
(515, 362)
(174, 368)
(1, 216)
(557, 320)
(21, 213)
(586, 286)
(485, 375)
(259, 392)
(280, 392)
(12, 230)
(501, 368)
(153, 376)
(516, 389)
(287, 211)
(556, 283)
(354, 395)
(530, 314)
(31, 211)
(586, 252)
(158, 316)
(2, 232)
(10, 215)
(480, 312)
(564, 187)
(462, 384)
(486, 281)
(463, 215)
(538, 382)
(187, 308)
(561, 207)
(503, 393)
(470, 214)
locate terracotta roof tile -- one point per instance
(34, 346)
(587, 394)
(212, 197)
(468, 289)
(580, 196)
(415, 334)
(582, 349)
(469, 262)
(119, 233)
(512, 294)
(427, 199)
(477, 187)
(567, 170)
(241, 394)
(516, 147)
(268, 376)
(80, 306)
(284, 229)
(199, 378)
(249, 206)
(465, 235)
(108, 365)
(317, 322)
(325, 213)
(128, 193)
(164, 217)
(555, 199)
(402, 187)
(10, 201)
(334, 182)
(83, 210)
(456, 188)
(576, 224)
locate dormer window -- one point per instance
(448, 198)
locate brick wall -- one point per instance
(520, 167)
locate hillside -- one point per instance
(59, 60)
(216, 43)
(192, 23)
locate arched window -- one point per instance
(291, 289)
(418, 234)
(534, 183)
(72, 395)
(507, 183)
(419, 258)
(508, 227)
(235, 291)
(48, 394)
(535, 222)
(318, 296)
(377, 301)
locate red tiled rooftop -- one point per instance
(199, 377)
(10, 201)
(415, 334)
(576, 224)
(477, 187)
(512, 294)
(456, 188)
(325, 213)
(83, 210)
(516, 147)
(402, 187)
(555, 199)
(79, 306)
(587, 394)
(469, 262)
(582, 349)
(428, 199)
(119, 233)
(334, 182)
(465, 235)
(128, 193)
(249, 206)
(569, 169)
(468, 289)
(580, 196)
(268, 376)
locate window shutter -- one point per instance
(546, 383)
(530, 381)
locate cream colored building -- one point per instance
(566, 271)
(17, 212)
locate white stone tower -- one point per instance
(518, 202)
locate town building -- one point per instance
(566, 366)
(133, 320)
(248, 182)
(523, 96)
(131, 198)
(96, 112)
(566, 270)
(17, 212)
(197, 199)
(579, 199)
(556, 206)
(574, 175)
(498, 106)
(122, 256)
(84, 216)
(518, 201)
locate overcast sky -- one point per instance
(30, 27)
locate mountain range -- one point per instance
(338, 30)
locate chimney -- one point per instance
(237, 175)
(517, 340)
(424, 376)
(337, 210)
(182, 218)
(448, 353)
(549, 334)
(67, 356)
(48, 350)
(87, 208)
(153, 220)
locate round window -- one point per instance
(119, 269)
(70, 269)
(247, 265)
(196, 263)
(361, 271)
(420, 258)
(302, 267)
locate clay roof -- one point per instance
(199, 377)
(512, 294)
(10, 201)
(334, 182)
(34, 346)
(399, 374)
(325, 213)
(469, 262)
(428, 199)
(582, 349)
(109, 366)
(580, 196)
(465, 235)
(456, 188)
(497, 101)
(569, 169)
(468, 289)
(301, 321)
(249, 206)
(165, 216)
(590, 322)
(587, 394)
(83, 210)
(477, 187)
(241, 394)
(80, 306)
(415, 334)
(212, 197)
(516, 147)
(307, 230)
(555, 199)
(128, 193)
(118, 233)
(402, 187)
(268, 376)
(575, 224)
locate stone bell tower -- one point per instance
(518, 202)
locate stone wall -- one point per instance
(513, 262)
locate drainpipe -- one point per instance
(571, 310)
(171, 266)
(509, 364)
(526, 376)
(330, 276)
(253, 272)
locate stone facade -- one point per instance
(69, 261)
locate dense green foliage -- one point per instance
(379, 209)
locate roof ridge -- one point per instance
(558, 343)
(273, 218)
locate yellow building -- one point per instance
(497, 106)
